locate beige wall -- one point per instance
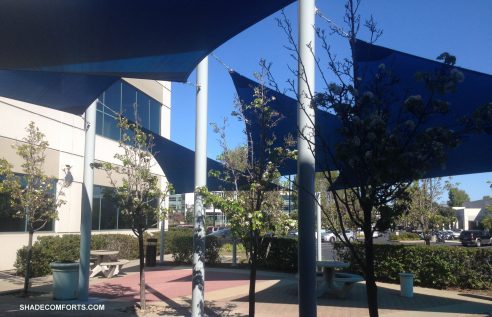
(65, 135)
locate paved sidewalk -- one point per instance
(169, 290)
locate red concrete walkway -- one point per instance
(167, 283)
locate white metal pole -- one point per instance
(198, 281)
(87, 194)
(318, 223)
(305, 161)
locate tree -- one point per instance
(486, 221)
(137, 192)
(380, 154)
(457, 197)
(424, 211)
(32, 195)
(256, 208)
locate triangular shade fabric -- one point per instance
(287, 108)
(474, 153)
(67, 92)
(178, 164)
(472, 156)
(64, 54)
(161, 40)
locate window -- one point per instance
(9, 223)
(121, 98)
(107, 216)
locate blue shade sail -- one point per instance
(474, 153)
(178, 164)
(161, 40)
(67, 92)
(326, 124)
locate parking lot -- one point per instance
(328, 252)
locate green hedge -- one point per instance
(278, 254)
(169, 237)
(402, 236)
(181, 247)
(432, 266)
(67, 248)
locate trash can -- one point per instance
(65, 280)
(406, 284)
(151, 252)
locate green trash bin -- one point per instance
(406, 284)
(65, 280)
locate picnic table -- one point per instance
(105, 262)
(336, 283)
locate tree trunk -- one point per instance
(142, 270)
(252, 273)
(371, 288)
(28, 263)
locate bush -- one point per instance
(227, 247)
(403, 236)
(432, 266)
(169, 237)
(181, 246)
(67, 248)
(278, 254)
(126, 244)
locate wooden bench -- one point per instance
(109, 269)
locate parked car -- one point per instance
(330, 236)
(446, 234)
(211, 229)
(223, 234)
(375, 234)
(293, 233)
(456, 234)
(475, 237)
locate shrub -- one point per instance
(169, 237)
(227, 247)
(126, 244)
(278, 254)
(181, 247)
(402, 236)
(67, 248)
(432, 266)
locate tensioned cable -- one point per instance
(222, 62)
(333, 24)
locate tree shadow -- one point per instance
(174, 308)
(112, 290)
(224, 276)
(388, 299)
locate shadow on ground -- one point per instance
(388, 299)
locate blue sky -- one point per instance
(419, 27)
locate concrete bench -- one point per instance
(109, 269)
(339, 286)
(345, 282)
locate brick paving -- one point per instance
(169, 294)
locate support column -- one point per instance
(87, 193)
(318, 226)
(305, 161)
(198, 280)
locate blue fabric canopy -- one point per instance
(327, 124)
(67, 92)
(64, 54)
(55, 51)
(161, 40)
(474, 153)
(178, 164)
